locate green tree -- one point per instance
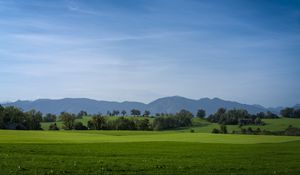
(123, 113)
(287, 112)
(215, 131)
(184, 118)
(82, 114)
(33, 120)
(115, 113)
(98, 122)
(135, 112)
(201, 113)
(108, 113)
(53, 127)
(1, 117)
(49, 118)
(123, 123)
(271, 115)
(223, 129)
(68, 120)
(142, 124)
(146, 113)
(297, 113)
(79, 126)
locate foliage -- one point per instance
(123, 123)
(98, 122)
(53, 126)
(222, 130)
(146, 113)
(115, 112)
(79, 126)
(68, 120)
(81, 114)
(123, 112)
(14, 118)
(135, 112)
(181, 119)
(290, 113)
(235, 117)
(201, 113)
(49, 118)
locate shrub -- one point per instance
(215, 131)
(80, 126)
(53, 127)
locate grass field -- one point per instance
(145, 152)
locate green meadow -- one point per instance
(146, 152)
(150, 152)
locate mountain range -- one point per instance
(161, 105)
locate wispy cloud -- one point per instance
(74, 6)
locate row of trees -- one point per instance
(99, 122)
(201, 113)
(239, 117)
(133, 112)
(290, 131)
(290, 113)
(14, 118)
(180, 119)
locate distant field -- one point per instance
(271, 125)
(145, 152)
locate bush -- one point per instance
(53, 127)
(215, 131)
(80, 126)
(292, 131)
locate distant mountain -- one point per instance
(162, 105)
(297, 106)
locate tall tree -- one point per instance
(33, 120)
(68, 120)
(146, 113)
(82, 114)
(98, 122)
(115, 112)
(287, 112)
(201, 113)
(135, 112)
(123, 113)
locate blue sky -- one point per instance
(140, 50)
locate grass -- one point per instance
(150, 152)
(145, 152)
(150, 158)
(133, 136)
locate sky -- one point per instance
(140, 50)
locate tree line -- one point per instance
(239, 117)
(99, 122)
(290, 113)
(290, 131)
(15, 119)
